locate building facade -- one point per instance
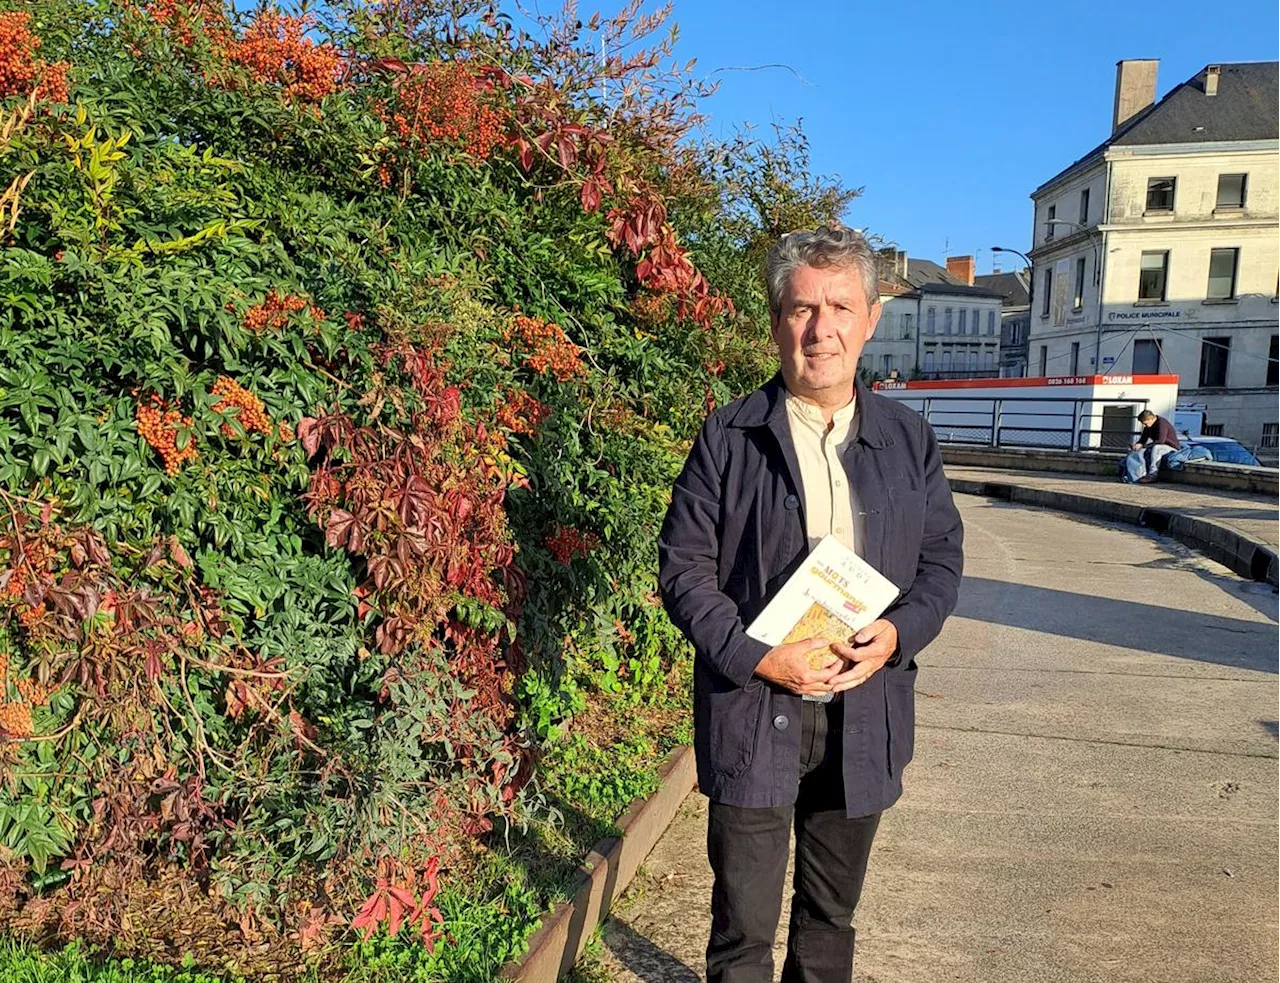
(937, 323)
(1157, 251)
(1015, 319)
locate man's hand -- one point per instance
(788, 666)
(871, 649)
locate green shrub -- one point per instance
(347, 365)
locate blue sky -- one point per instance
(950, 114)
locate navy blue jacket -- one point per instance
(733, 534)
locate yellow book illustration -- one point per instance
(834, 594)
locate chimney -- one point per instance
(902, 257)
(1211, 76)
(1135, 88)
(961, 267)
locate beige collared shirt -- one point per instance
(828, 507)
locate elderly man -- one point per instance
(779, 743)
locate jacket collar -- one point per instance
(767, 407)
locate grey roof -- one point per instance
(954, 289)
(1012, 287)
(922, 271)
(1243, 109)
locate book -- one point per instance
(833, 595)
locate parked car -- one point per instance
(1223, 450)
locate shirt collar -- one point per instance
(813, 414)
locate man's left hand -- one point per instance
(871, 649)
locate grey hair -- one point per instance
(830, 246)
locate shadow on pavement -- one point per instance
(640, 955)
(1272, 727)
(1144, 627)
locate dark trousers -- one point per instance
(748, 853)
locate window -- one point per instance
(928, 361)
(1222, 274)
(1084, 207)
(973, 361)
(1154, 272)
(1048, 293)
(1213, 361)
(1146, 357)
(906, 325)
(1231, 190)
(888, 365)
(946, 320)
(1075, 358)
(1048, 225)
(988, 360)
(991, 322)
(1273, 362)
(931, 319)
(1044, 359)
(964, 314)
(946, 361)
(1160, 194)
(1079, 286)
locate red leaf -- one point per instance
(309, 433)
(526, 154)
(179, 554)
(371, 913)
(339, 527)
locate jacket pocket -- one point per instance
(733, 727)
(900, 712)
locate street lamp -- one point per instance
(1005, 249)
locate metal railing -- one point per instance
(1028, 421)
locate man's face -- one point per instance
(820, 329)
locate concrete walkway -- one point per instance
(1254, 516)
(1094, 795)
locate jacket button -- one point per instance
(780, 722)
(791, 502)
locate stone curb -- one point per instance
(603, 876)
(1247, 557)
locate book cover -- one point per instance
(834, 594)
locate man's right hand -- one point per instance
(788, 666)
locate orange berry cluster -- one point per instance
(547, 347)
(32, 692)
(15, 719)
(521, 413)
(182, 17)
(159, 427)
(252, 417)
(21, 71)
(275, 49)
(566, 542)
(31, 615)
(444, 101)
(36, 559)
(275, 310)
